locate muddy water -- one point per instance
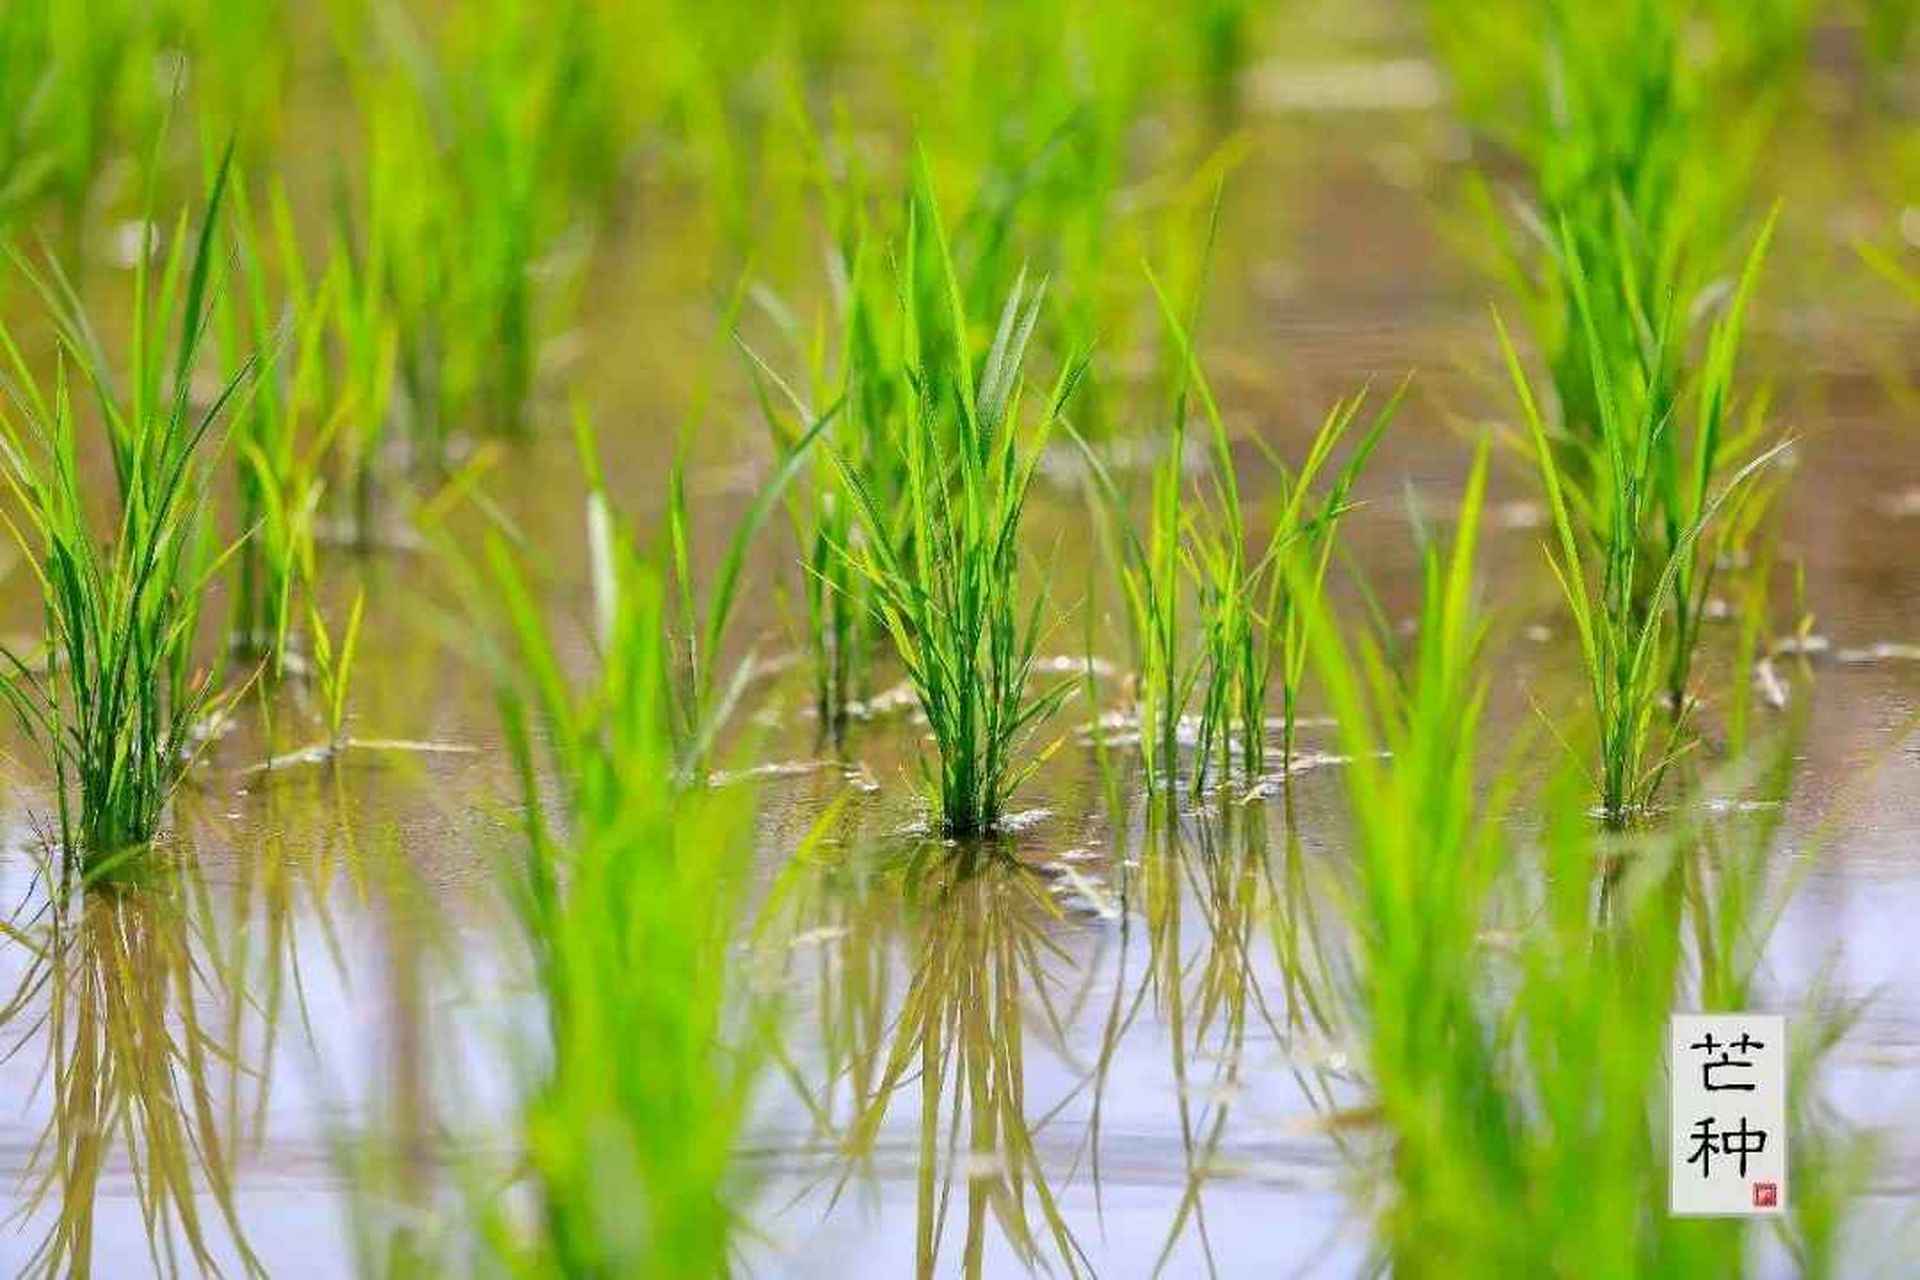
(1117, 1036)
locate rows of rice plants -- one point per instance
(947, 365)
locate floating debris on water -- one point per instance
(1305, 763)
(1885, 651)
(1772, 689)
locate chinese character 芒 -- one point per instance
(1734, 1143)
(1744, 1043)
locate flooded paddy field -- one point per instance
(520, 901)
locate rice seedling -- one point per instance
(114, 704)
(468, 141)
(852, 362)
(282, 434)
(63, 71)
(363, 328)
(1152, 571)
(627, 893)
(1249, 616)
(1641, 155)
(950, 600)
(1513, 1082)
(1638, 620)
(1252, 610)
(1901, 276)
(333, 668)
(701, 703)
(1151, 584)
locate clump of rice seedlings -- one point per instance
(1153, 571)
(628, 891)
(1247, 606)
(469, 141)
(363, 328)
(701, 703)
(115, 698)
(1425, 853)
(852, 363)
(1252, 610)
(282, 434)
(1152, 580)
(1637, 614)
(1639, 138)
(1517, 1081)
(65, 67)
(950, 599)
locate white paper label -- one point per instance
(1728, 1125)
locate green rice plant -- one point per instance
(1901, 276)
(70, 73)
(1513, 992)
(116, 701)
(239, 60)
(1637, 618)
(1152, 571)
(1151, 584)
(1222, 40)
(333, 667)
(1251, 620)
(363, 327)
(469, 139)
(283, 434)
(950, 600)
(852, 361)
(1425, 854)
(701, 703)
(1251, 614)
(1639, 127)
(627, 893)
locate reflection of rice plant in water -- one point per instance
(141, 1025)
(115, 700)
(950, 598)
(960, 1038)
